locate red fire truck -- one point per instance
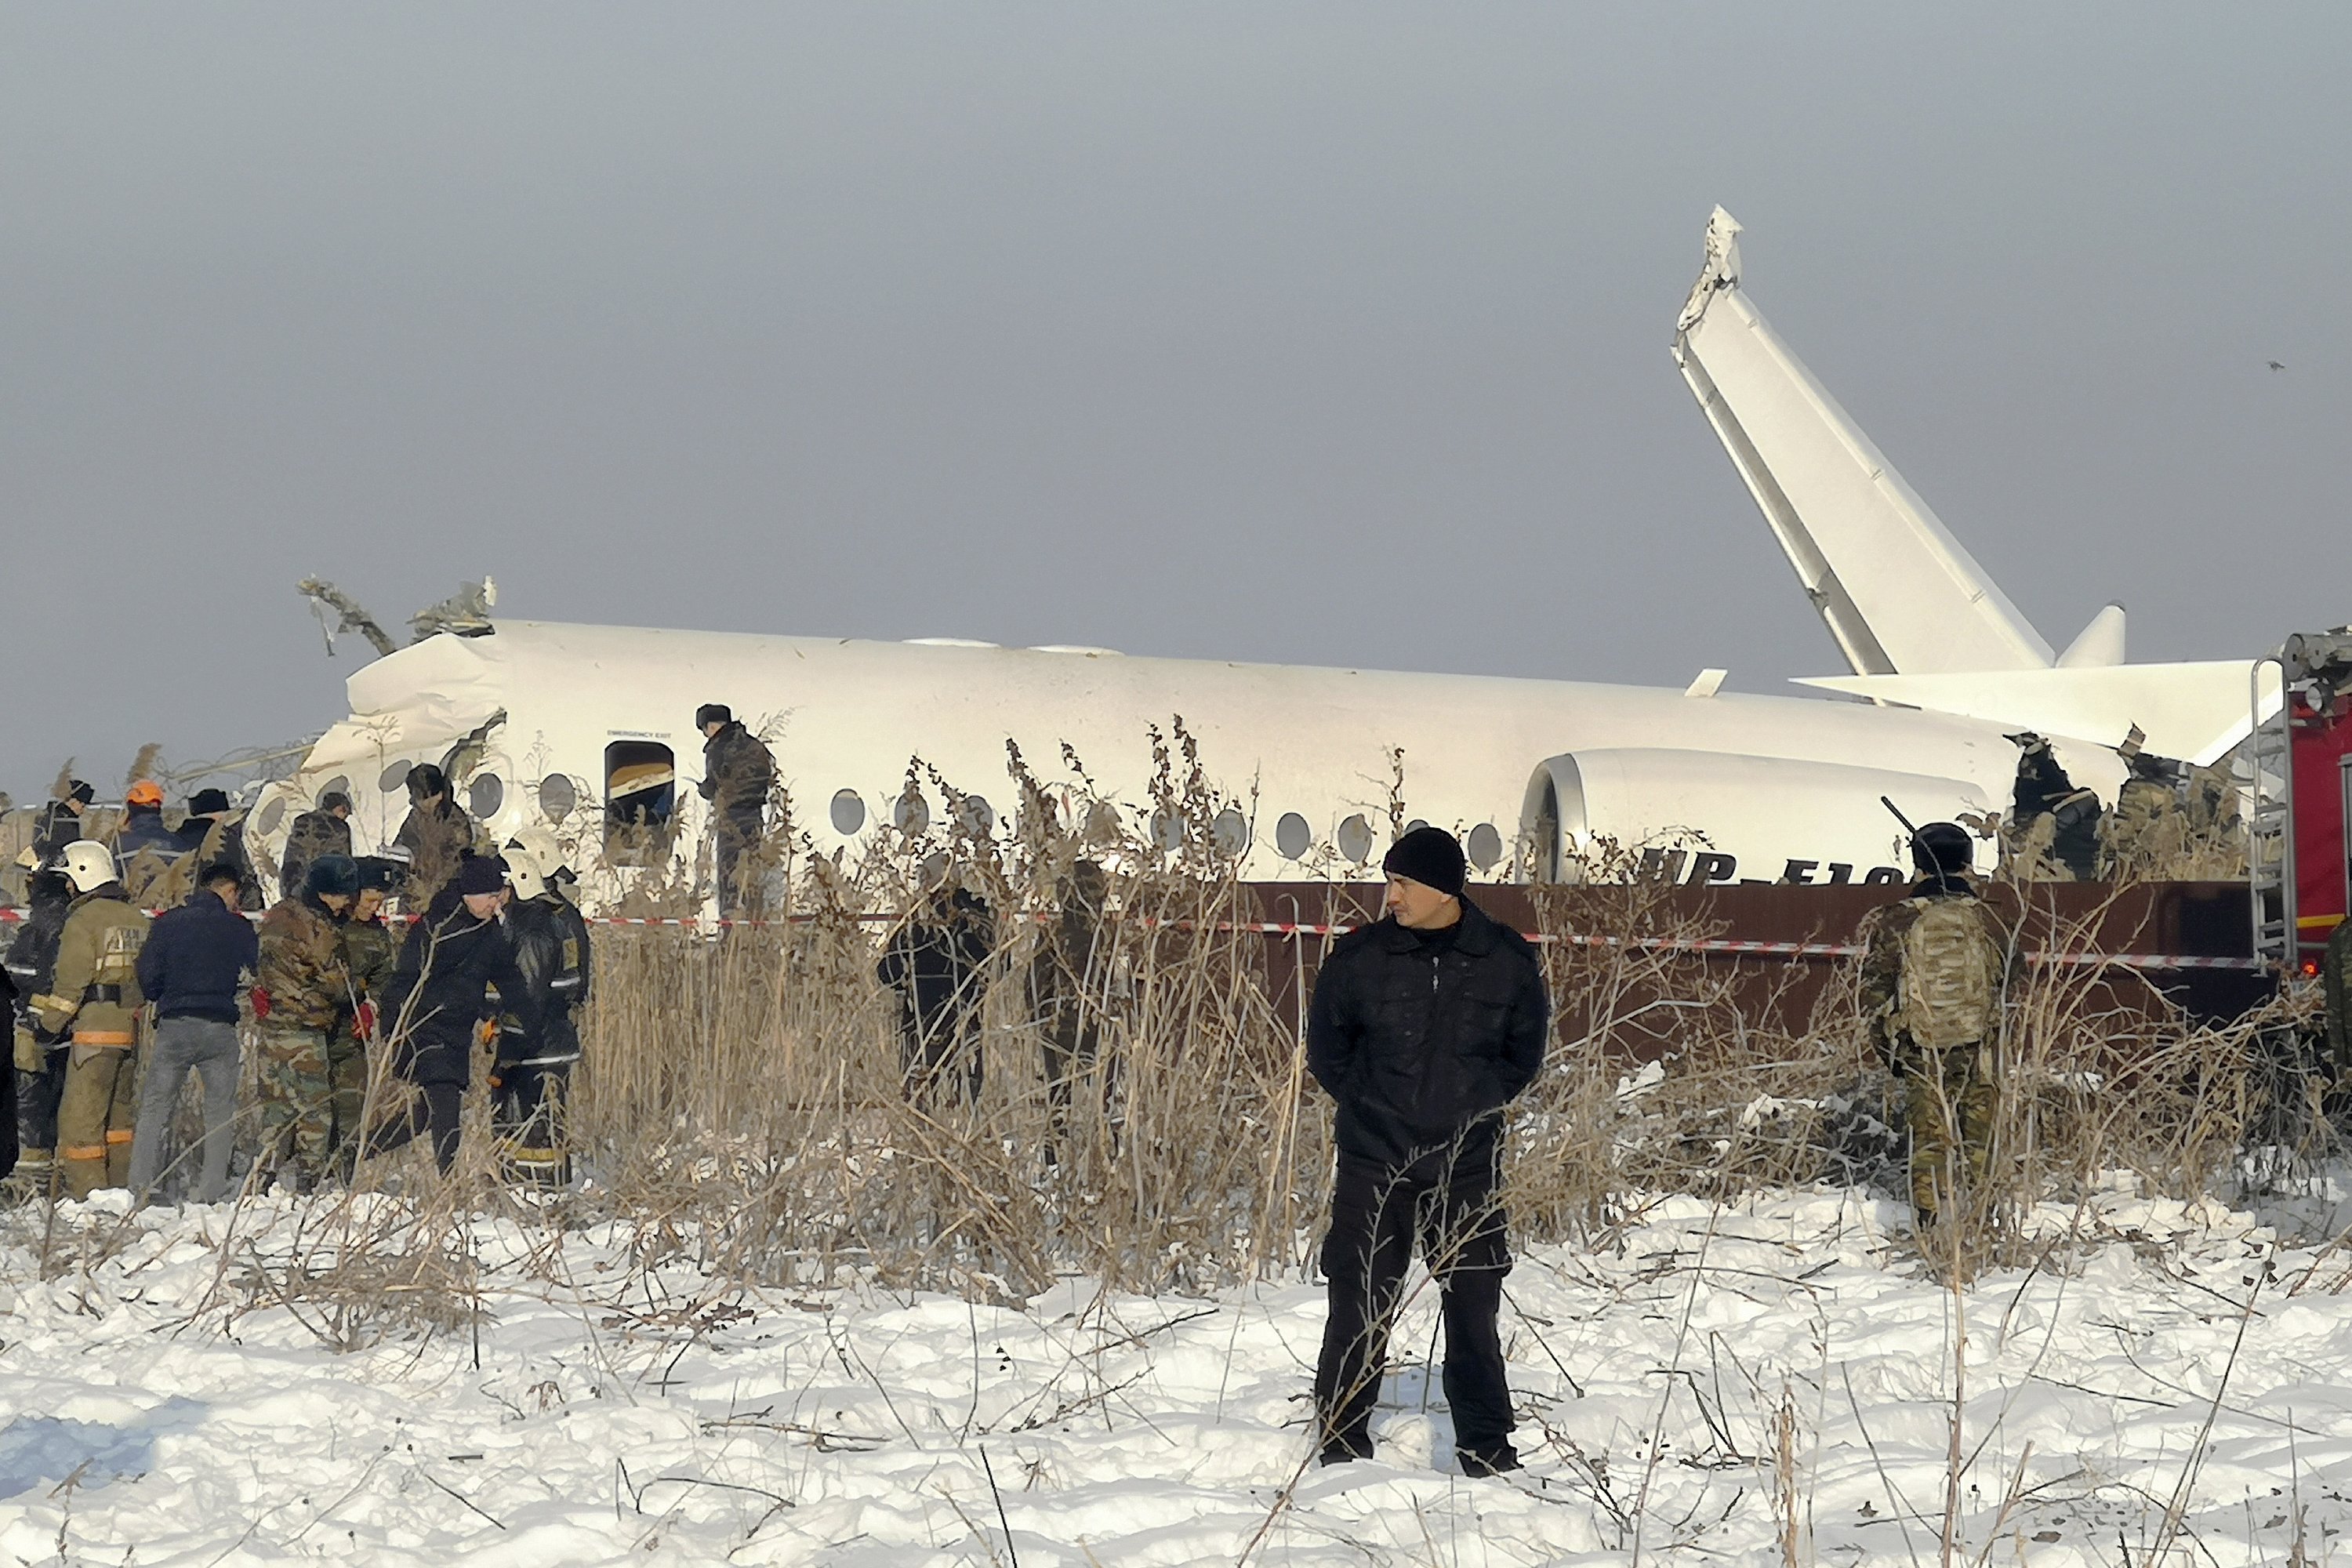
(2301, 761)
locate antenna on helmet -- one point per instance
(1897, 810)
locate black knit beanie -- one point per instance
(1430, 857)
(480, 874)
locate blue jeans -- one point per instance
(209, 1048)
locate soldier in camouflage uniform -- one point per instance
(325, 831)
(213, 833)
(370, 949)
(1934, 974)
(2145, 833)
(299, 998)
(2053, 835)
(95, 989)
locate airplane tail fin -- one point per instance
(1899, 594)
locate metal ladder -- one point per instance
(2270, 822)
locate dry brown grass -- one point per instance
(740, 1105)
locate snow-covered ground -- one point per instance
(628, 1418)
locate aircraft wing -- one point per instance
(1897, 590)
(2195, 711)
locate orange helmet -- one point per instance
(146, 791)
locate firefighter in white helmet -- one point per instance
(539, 1036)
(95, 991)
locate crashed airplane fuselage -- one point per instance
(590, 728)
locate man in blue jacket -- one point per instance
(191, 969)
(1422, 1027)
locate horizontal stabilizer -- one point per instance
(1897, 590)
(2195, 711)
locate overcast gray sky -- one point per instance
(1329, 333)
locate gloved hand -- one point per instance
(30, 1057)
(363, 1022)
(260, 1000)
(55, 1012)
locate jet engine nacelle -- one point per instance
(1710, 816)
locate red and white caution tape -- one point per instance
(2072, 959)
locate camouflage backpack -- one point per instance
(1949, 993)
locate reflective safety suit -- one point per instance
(39, 1061)
(538, 1038)
(95, 993)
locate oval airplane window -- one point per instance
(340, 784)
(272, 815)
(1230, 834)
(1168, 829)
(1416, 825)
(1292, 837)
(395, 778)
(912, 814)
(1102, 823)
(1354, 839)
(558, 796)
(1485, 846)
(975, 814)
(485, 795)
(849, 812)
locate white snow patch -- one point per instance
(634, 1418)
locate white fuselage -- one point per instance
(845, 718)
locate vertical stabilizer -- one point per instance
(1895, 589)
(2098, 645)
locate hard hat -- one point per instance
(540, 848)
(88, 866)
(523, 876)
(146, 791)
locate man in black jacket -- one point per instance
(438, 997)
(189, 970)
(737, 770)
(938, 964)
(1422, 1027)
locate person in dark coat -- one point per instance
(438, 997)
(214, 835)
(938, 965)
(434, 835)
(1072, 982)
(2052, 825)
(325, 831)
(39, 1064)
(144, 847)
(61, 821)
(190, 971)
(1422, 1028)
(737, 772)
(538, 1038)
